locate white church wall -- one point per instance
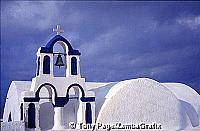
(81, 113)
(61, 83)
(46, 108)
(68, 70)
(94, 85)
(8, 107)
(100, 90)
(12, 104)
(143, 100)
(13, 126)
(189, 99)
(99, 96)
(174, 106)
(6, 111)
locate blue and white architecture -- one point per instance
(51, 102)
(59, 91)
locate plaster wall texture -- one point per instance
(60, 83)
(12, 104)
(175, 106)
(143, 100)
(189, 99)
(13, 126)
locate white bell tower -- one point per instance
(59, 87)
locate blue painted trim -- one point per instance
(37, 97)
(80, 87)
(88, 114)
(49, 47)
(21, 110)
(46, 65)
(10, 117)
(60, 101)
(48, 84)
(31, 99)
(73, 66)
(87, 99)
(31, 115)
(74, 52)
(38, 66)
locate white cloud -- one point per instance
(104, 41)
(191, 22)
(37, 15)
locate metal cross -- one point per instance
(58, 30)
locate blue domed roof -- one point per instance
(49, 46)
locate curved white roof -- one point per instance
(13, 99)
(143, 100)
(189, 98)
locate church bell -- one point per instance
(59, 61)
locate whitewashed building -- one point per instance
(51, 102)
(31, 100)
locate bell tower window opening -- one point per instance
(73, 66)
(46, 65)
(59, 60)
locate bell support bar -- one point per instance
(57, 53)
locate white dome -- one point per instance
(143, 100)
(189, 99)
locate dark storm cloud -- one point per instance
(118, 40)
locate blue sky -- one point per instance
(118, 40)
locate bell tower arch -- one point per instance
(45, 58)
